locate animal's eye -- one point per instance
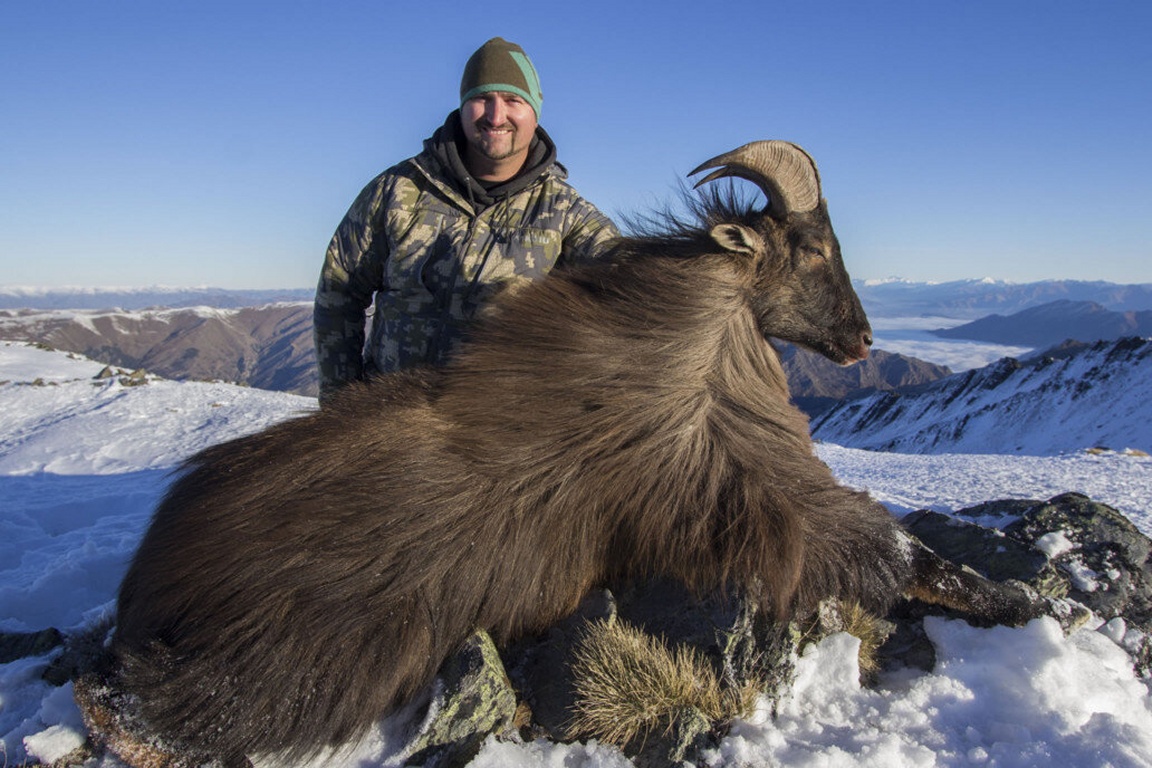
(813, 252)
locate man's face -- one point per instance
(498, 125)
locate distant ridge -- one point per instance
(972, 299)
(81, 297)
(269, 347)
(1054, 322)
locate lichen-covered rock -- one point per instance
(540, 667)
(471, 700)
(727, 627)
(1103, 556)
(1070, 548)
(988, 551)
(689, 732)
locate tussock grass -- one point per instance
(629, 684)
(870, 630)
(848, 616)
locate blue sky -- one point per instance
(211, 143)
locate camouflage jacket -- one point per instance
(426, 247)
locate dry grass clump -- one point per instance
(629, 683)
(848, 616)
(870, 630)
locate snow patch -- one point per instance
(1055, 544)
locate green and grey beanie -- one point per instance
(499, 65)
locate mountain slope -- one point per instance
(1101, 395)
(817, 383)
(269, 347)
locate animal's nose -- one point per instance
(866, 337)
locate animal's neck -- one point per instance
(645, 343)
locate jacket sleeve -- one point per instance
(588, 234)
(352, 272)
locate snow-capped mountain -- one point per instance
(270, 347)
(1098, 396)
(965, 299)
(972, 299)
(98, 297)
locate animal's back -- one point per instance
(261, 610)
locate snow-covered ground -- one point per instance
(83, 461)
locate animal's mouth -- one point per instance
(857, 354)
(843, 355)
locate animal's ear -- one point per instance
(737, 238)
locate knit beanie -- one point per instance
(499, 65)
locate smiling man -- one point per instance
(428, 241)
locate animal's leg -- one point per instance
(942, 582)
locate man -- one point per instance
(429, 240)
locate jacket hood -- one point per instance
(443, 155)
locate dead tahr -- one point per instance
(626, 419)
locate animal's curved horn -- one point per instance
(785, 172)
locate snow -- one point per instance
(83, 462)
(998, 697)
(948, 482)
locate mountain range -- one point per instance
(270, 347)
(972, 299)
(88, 297)
(1054, 322)
(1079, 396)
(221, 336)
(963, 299)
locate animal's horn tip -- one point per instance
(717, 174)
(700, 168)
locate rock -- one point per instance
(1102, 555)
(540, 667)
(472, 699)
(83, 652)
(745, 644)
(985, 550)
(1081, 554)
(689, 733)
(17, 645)
(137, 378)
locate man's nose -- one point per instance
(495, 111)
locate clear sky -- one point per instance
(219, 143)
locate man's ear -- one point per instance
(737, 238)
